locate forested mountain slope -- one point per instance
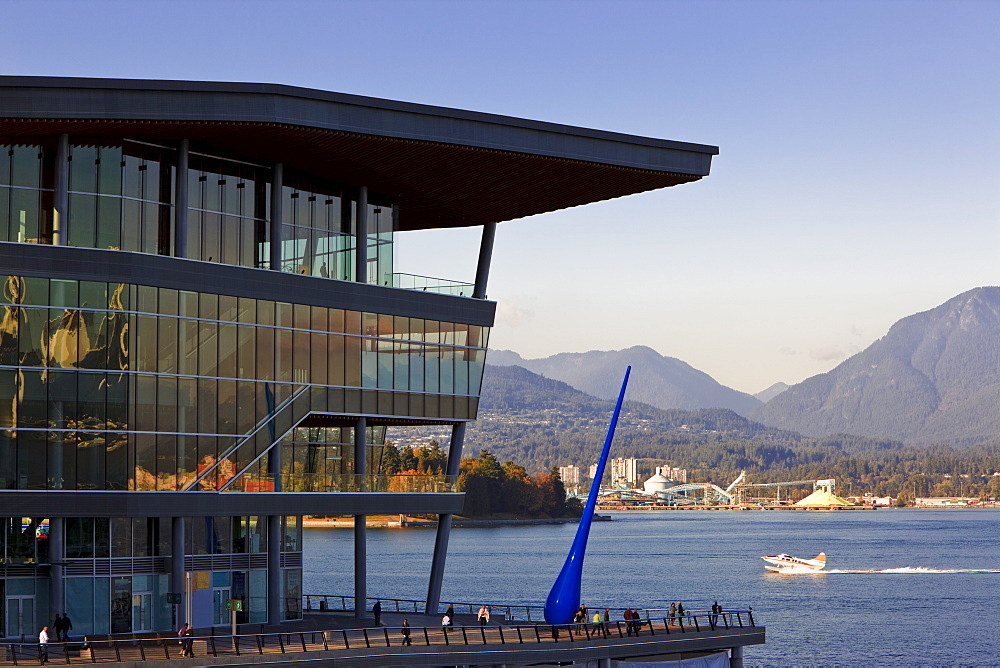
(541, 423)
(934, 378)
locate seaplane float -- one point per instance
(783, 563)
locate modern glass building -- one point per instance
(203, 337)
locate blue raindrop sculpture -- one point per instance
(564, 599)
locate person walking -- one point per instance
(672, 614)
(43, 645)
(57, 627)
(406, 632)
(67, 627)
(597, 621)
(680, 612)
(627, 616)
(377, 611)
(187, 643)
(716, 609)
(484, 615)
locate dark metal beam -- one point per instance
(70, 503)
(90, 264)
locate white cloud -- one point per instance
(827, 354)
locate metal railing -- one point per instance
(442, 286)
(339, 603)
(346, 482)
(167, 648)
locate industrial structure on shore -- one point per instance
(661, 492)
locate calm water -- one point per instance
(895, 593)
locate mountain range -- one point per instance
(933, 378)
(664, 382)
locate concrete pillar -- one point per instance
(177, 568)
(277, 181)
(181, 200)
(736, 657)
(361, 238)
(360, 522)
(444, 525)
(485, 255)
(275, 595)
(60, 195)
(57, 552)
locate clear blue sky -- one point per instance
(857, 182)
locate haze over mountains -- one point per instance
(933, 378)
(664, 382)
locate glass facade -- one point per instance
(114, 386)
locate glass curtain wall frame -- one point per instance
(114, 386)
(121, 197)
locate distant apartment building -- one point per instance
(674, 473)
(570, 475)
(592, 471)
(624, 470)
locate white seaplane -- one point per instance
(784, 563)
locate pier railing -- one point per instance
(530, 613)
(169, 647)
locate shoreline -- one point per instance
(406, 522)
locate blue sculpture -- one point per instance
(564, 599)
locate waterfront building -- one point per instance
(624, 471)
(570, 475)
(204, 337)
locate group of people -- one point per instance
(633, 622)
(61, 625)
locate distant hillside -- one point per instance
(771, 392)
(541, 423)
(934, 378)
(664, 382)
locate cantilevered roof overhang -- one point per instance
(445, 167)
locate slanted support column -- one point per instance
(277, 181)
(444, 525)
(360, 523)
(485, 255)
(60, 196)
(361, 238)
(181, 200)
(57, 551)
(177, 568)
(274, 589)
(275, 540)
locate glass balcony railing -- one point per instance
(427, 284)
(323, 483)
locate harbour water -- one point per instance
(902, 587)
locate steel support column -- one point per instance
(360, 523)
(274, 588)
(177, 567)
(736, 657)
(181, 200)
(57, 553)
(277, 181)
(444, 525)
(60, 195)
(485, 255)
(361, 238)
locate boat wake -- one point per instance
(918, 570)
